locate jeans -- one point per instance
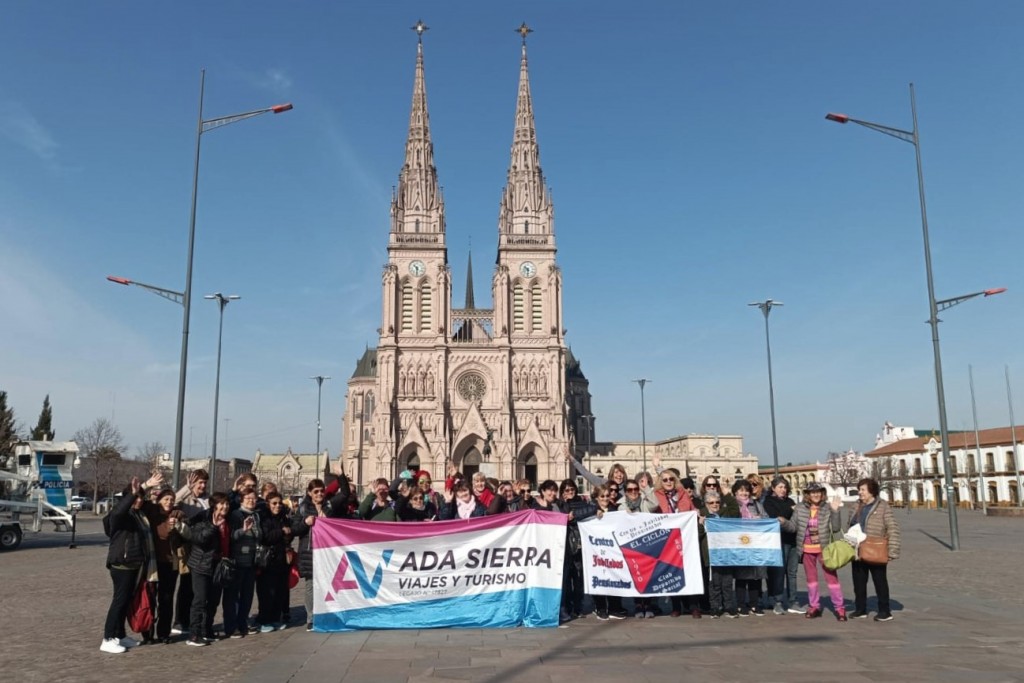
(205, 598)
(237, 601)
(723, 592)
(309, 601)
(167, 577)
(572, 583)
(272, 592)
(183, 604)
(860, 586)
(782, 580)
(125, 581)
(811, 562)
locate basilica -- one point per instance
(497, 389)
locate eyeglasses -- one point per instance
(603, 495)
(632, 489)
(274, 502)
(714, 502)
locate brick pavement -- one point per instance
(958, 617)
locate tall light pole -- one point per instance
(913, 137)
(222, 302)
(977, 443)
(1013, 437)
(319, 391)
(766, 308)
(202, 126)
(643, 421)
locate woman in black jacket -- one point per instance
(244, 524)
(211, 542)
(573, 586)
(782, 580)
(272, 582)
(312, 507)
(130, 559)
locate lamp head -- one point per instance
(838, 118)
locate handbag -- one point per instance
(224, 574)
(874, 550)
(261, 558)
(140, 612)
(838, 553)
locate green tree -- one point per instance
(8, 428)
(44, 427)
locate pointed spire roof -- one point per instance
(470, 302)
(417, 205)
(525, 204)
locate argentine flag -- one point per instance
(743, 542)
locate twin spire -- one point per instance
(418, 205)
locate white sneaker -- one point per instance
(112, 646)
(128, 643)
(176, 631)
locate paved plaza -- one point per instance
(959, 617)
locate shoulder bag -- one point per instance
(874, 550)
(838, 553)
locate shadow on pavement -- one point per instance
(938, 540)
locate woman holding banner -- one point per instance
(748, 579)
(573, 586)
(606, 606)
(814, 523)
(314, 506)
(672, 497)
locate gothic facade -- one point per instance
(486, 389)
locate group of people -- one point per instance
(196, 551)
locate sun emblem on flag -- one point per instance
(744, 539)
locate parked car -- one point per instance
(80, 503)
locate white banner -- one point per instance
(641, 554)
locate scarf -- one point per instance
(632, 505)
(147, 533)
(466, 509)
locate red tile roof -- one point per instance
(998, 436)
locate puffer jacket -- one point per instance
(881, 524)
(802, 515)
(243, 543)
(335, 507)
(127, 535)
(273, 536)
(205, 538)
(781, 507)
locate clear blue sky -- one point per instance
(692, 172)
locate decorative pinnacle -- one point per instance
(420, 27)
(524, 31)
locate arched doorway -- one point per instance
(937, 491)
(1014, 494)
(471, 463)
(993, 494)
(527, 467)
(413, 463)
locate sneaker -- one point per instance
(176, 631)
(715, 615)
(757, 611)
(841, 616)
(640, 614)
(255, 628)
(128, 643)
(778, 609)
(309, 627)
(859, 615)
(269, 628)
(883, 616)
(602, 615)
(745, 612)
(196, 642)
(618, 614)
(112, 646)
(236, 635)
(731, 615)
(209, 641)
(564, 616)
(282, 625)
(649, 614)
(813, 613)
(797, 609)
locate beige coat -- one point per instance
(881, 523)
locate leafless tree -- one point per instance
(844, 470)
(100, 446)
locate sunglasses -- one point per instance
(714, 502)
(632, 489)
(667, 480)
(316, 491)
(711, 485)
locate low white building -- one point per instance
(985, 471)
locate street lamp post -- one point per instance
(319, 391)
(913, 137)
(766, 308)
(643, 422)
(202, 126)
(222, 301)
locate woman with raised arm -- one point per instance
(163, 520)
(814, 522)
(211, 542)
(461, 504)
(131, 557)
